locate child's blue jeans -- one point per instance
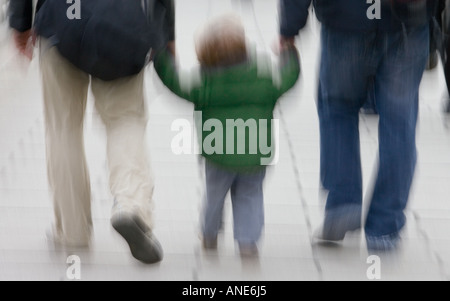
(247, 202)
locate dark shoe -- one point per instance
(143, 244)
(248, 250)
(383, 243)
(338, 222)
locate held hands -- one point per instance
(25, 42)
(282, 44)
(171, 47)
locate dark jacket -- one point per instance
(348, 15)
(245, 92)
(21, 15)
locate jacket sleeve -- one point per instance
(20, 14)
(167, 71)
(170, 17)
(293, 15)
(289, 70)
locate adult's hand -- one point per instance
(171, 47)
(286, 42)
(282, 43)
(25, 42)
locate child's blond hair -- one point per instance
(221, 42)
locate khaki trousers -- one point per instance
(121, 106)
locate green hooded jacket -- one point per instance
(234, 106)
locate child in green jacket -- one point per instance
(234, 101)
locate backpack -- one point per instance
(111, 39)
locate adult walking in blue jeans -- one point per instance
(388, 42)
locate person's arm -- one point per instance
(21, 21)
(170, 18)
(293, 15)
(165, 67)
(289, 69)
(21, 15)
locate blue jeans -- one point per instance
(247, 202)
(349, 62)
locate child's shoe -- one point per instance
(209, 243)
(248, 250)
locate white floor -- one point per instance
(293, 201)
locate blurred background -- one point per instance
(293, 199)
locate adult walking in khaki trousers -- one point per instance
(121, 106)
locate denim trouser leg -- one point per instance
(248, 207)
(343, 84)
(247, 202)
(395, 61)
(397, 91)
(218, 183)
